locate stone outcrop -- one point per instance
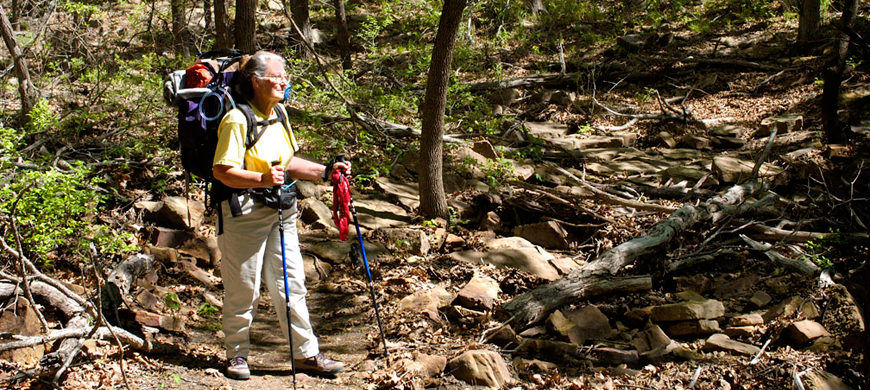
(479, 367)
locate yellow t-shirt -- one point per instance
(275, 144)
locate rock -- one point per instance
(690, 175)
(759, 299)
(203, 249)
(742, 332)
(180, 213)
(746, 319)
(19, 318)
(614, 357)
(307, 189)
(667, 140)
(427, 366)
(727, 131)
(453, 242)
(690, 296)
(727, 142)
(547, 130)
(316, 213)
(632, 42)
(629, 138)
(478, 294)
(485, 149)
(149, 301)
(692, 328)
(478, 367)
(504, 337)
(800, 333)
(823, 380)
(693, 310)
(172, 323)
(784, 124)
(406, 193)
(533, 365)
(692, 141)
(532, 260)
(406, 240)
(492, 222)
(581, 324)
(504, 96)
(737, 288)
(549, 234)
(721, 342)
(337, 252)
(400, 173)
(732, 170)
(791, 306)
(539, 347)
(169, 238)
(563, 99)
(316, 271)
(651, 339)
(843, 306)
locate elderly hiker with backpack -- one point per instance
(251, 239)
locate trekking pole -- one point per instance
(286, 283)
(340, 158)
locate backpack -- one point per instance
(200, 111)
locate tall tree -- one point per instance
(299, 14)
(808, 23)
(343, 35)
(835, 131)
(222, 28)
(246, 25)
(25, 87)
(179, 28)
(433, 202)
(206, 11)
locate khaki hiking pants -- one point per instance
(250, 247)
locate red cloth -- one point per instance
(340, 201)
(197, 76)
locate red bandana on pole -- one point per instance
(340, 200)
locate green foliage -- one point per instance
(80, 9)
(172, 302)
(208, 310)
(42, 117)
(818, 250)
(52, 210)
(10, 139)
(498, 172)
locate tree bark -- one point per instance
(343, 35)
(179, 28)
(25, 86)
(246, 26)
(808, 24)
(222, 27)
(207, 13)
(299, 13)
(433, 202)
(835, 131)
(537, 304)
(534, 306)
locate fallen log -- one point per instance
(803, 267)
(535, 305)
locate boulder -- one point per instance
(801, 333)
(759, 299)
(692, 310)
(181, 213)
(790, 306)
(20, 319)
(404, 192)
(316, 213)
(746, 319)
(480, 293)
(692, 328)
(485, 149)
(479, 367)
(406, 240)
(532, 260)
(549, 234)
(732, 170)
(823, 380)
(783, 123)
(721, 342)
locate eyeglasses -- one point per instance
(276, 79)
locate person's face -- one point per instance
(273, 83)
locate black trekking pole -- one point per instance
(286, 283)
(362, 250)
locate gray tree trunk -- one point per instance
(835, 131)
(179, 28)
(809, 25)
(25, 87)
(299, 13)
(433, 202)
(246, 26)
(343, 35)
(222, 27)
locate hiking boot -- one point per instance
(319, 364)
(237, 368)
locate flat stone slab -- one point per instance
(547, 130)
(530, 260)
(721, 342)
(377, 214)
(732, 170)
(691, 310)
(406, 193)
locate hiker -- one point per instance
(250, 243)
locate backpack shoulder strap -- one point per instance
(282, 116)
(253, 134)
